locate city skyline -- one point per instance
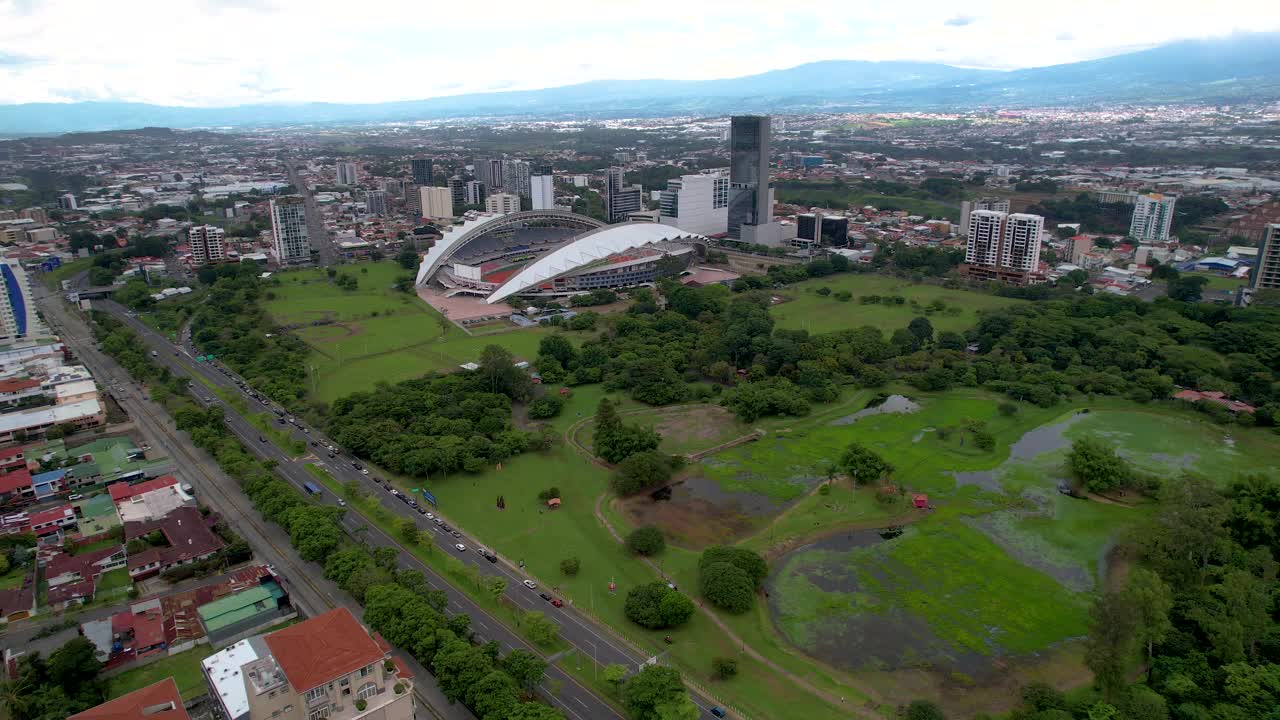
(67, 52)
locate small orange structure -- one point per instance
(565, 391)
(553, 503)
(920, 501)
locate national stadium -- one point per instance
(552, 253)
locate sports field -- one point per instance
(375, 333)
(805, 309)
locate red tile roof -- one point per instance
(15, 480)
(14, 451)
(11, 385)
(51, 515)
(82, 563)
(82, 589)
(123, 490)
(186, 530)
(325, 647)
(160, 701)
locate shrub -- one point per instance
(642, 470)
(399, 688)
(656, 606)
(750, 562)
(724, 668)
(570, 566)
(646, 540)
(361, 704)
(727, 586)
(545, 407)
(549, 493)
(824, 291)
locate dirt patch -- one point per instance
(691, 522)
(696, 423)
(350, 331)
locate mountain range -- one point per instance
(1225, 70)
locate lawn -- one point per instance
(1219, 284)
(114, 581)
(183, 667)
(807, 310)
(822, 195)
(376, 333)
(54, 278)
(12, 580)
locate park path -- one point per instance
(867, 711)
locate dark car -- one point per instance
(422, 510)
(261, 439)
(444, 526)
(455, 533)
(718, 711)
(356, 465)
(331, 456)
(386, 486)
(545, 596)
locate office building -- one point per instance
(819, 229)
(413, 200)
(477, 191)
(748, 172)
(207, 245)
(542, 188)
(987, 203)
(619, 199)
(375, 202)
(328, 667)
(18, 319)
(422, 171)
(458, 193)
(1002, 246)
(289, 235)
(489, 172)
(1267, 275)
(67, 202)
(502, 202)
(393, 187)
(345, 173)
(1152, 217)
(515, 177)
(436, 203)
(696, 204)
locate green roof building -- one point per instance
(231, 618)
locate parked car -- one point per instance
(75, 496)
(261, 439)
(531, 584)
(439, 521)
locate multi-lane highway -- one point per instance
(579, 631)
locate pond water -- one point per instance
(1043, 439)
(892, 404)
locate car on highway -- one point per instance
(718, 711)
(422, 510)
(545, 596)
(356, 465)
(331, 456)
(461, 547)
(431, 516)
(261, 439)
(342, 503)
(531, 584)
(455, 533)
(364, 471)
(557, 602)
(395, 492)
(386, 486)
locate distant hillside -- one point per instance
(1239, 68)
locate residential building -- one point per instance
(457, 193)
(750, 202)
(1076, 248)
(35, 422)
(477, 191)
(1002, 246)
(36, 215)
(542, 188)
(1152, 217)
(158, 701)
(515, 177)
(489, 172)
(240, 614)
(436, 203)
(620, 200)
(53, 521)
(696, 203)
(502, 202)
(375, 202)
(289, 230)
(18, 319)
(423, 171)
(67, 202)
(188, 537)
(149, 500)
(207, 245)
(346, 173)
(1267, 274)
(986, 203)
(1126, 197)
(319, 668)
(413, 200)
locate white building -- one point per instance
(620, 200)
(985, 230)
(207, 245)
(345, 173)
(1020, 244)
(436, 203)
(515, 177)
(1152, 217)
(67, 202)
(696, 203)
(18, 319)
(987, 203)
(1002, 246)
(542, 190)
(502, 203)
(289, 230)
(476, 192)
(375, 202)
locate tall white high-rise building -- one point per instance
(436, 203)
(619, 199)
(67, 202)
(696, 204)
(542, 188)
(1152, 217)
(515, 177)
(986, 230)
(477, 191)
(1020, 244)
(502, 203)
(1002, 246)
(375, 202)
(345, 173)
(292, 243)
(207, 245)
(489, 172)
(1267, 275)
(18, 319)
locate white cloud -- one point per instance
(223, 52)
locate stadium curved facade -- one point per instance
(551, 252)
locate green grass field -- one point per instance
(1219, 284)
(183, 667)
(807, 310)
(376, 333)
(54, 278)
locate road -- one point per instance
(309, 590)
(321, 242)
(578, 630)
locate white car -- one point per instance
(430, 516)
(364, 471)
(461, 547)
(531, 584)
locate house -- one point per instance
(133, 634)
(70, 594)
(188, 537)
(48, 484)
(64, 568)
(149, 500)
(245, 612)
(553, 503)
(325, 667)
(16, 489)
(14, 458)
(51, 523)
(18, 603)
(1216, 398)
(159, 701)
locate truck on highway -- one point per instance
(311, 488)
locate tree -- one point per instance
(724, 667)
(1097, 466)
(534, 711)
(924, 710)
(749, 561)
(614, 441)
(501, 375)
(496, 587)
(1111, 641)
(647, 540)
(1152, 600)
(922, 329)
(525, 668)
(641, 471)
(408, 530)
(570, 566)
(615, 674)
(727, 586)
(1187, 288)
(547, 406)
(654, 687)
(407, 258)
(558, 347)
(863, 464)
(539, 629)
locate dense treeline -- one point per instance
(56, 687)
(439, 423)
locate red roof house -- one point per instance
(325, 647)
(159, 701)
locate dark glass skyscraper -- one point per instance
(423, 171)
(748, 172)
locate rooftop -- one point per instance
(327, 646)
(159, 701)
(222, 669)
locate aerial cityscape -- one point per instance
(929, 384)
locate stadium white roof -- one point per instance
(593, 245)
(458, 235)
(443, 247)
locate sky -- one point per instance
(212, 53)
